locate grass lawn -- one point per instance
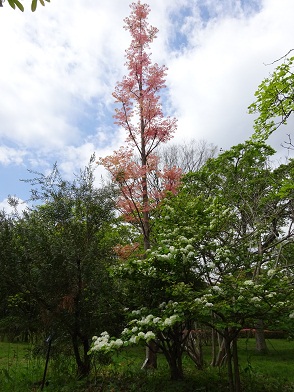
(21, 372)
(278, 363)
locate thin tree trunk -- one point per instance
(236, 366)
(213, 350)
(222, 354)
(83, 364)
(229, 364)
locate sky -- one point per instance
(60, 64)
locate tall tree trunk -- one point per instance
(229, 363)
(213, 347)
(83, 364)
(236, 366)
(193, 347)
(260, 341)
(222, 354)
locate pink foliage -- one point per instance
(138, 93)
(140, 114)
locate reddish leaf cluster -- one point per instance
(127, 172)
(140, 114)
(125, 251)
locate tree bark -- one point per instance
(173, 354)
(229, 364)
(260, 341)
(151, 356)
(236, 366)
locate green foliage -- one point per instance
(274, 101)
(18, 4)
(220, 253)
(55, 260)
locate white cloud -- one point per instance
(9, 209)
(214, 80)
(10, 155)
(59, 67)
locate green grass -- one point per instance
(278, 363)
(20, 371)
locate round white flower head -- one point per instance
(208, 304)
(156, 320)
(133, 339)
(216, 288)
(248, 283)
(136, 312)
(255, 299)
(149, 336)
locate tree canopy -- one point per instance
(274, 100)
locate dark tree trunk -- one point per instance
(172, 349)
(83, 362)
(236, 366)
(230, 337)
(78, 338)
(176, 368)
(229, 363)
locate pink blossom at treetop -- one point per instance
(140, 114)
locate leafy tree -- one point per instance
(64, 248)
(140, 115)
(217, 260)
(18, 4)
(274, 100)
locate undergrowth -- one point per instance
(22, 371)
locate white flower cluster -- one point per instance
(169, 321)
(255, 300)
(103, 343)
(248, 283)
(205, 301)
(271, 272)
(149, 335)
(216, 289)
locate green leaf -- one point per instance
(34, 5)
(12, 4)
(19, 5)
(42, 2)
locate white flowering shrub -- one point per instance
(142, 327)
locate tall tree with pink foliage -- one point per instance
(140, 114)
